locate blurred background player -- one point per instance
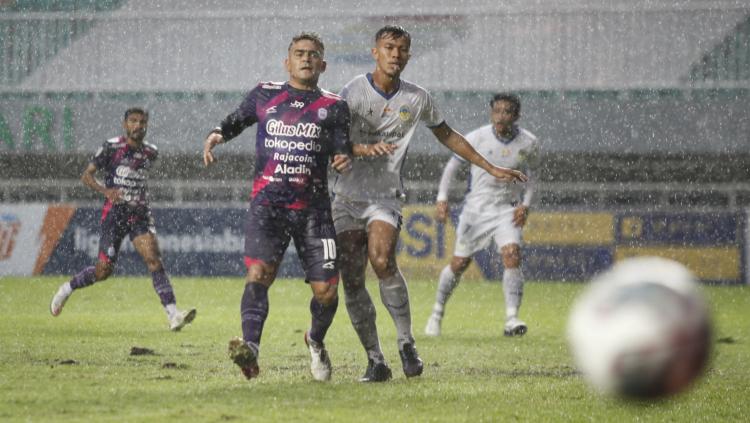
(125, 160)
(300, 127)
(493, 209)
(367, 204)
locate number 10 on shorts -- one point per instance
(329, 249)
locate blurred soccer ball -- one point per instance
(641, 329)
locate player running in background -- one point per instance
(125, 161)
(492, 209)
(367, 204)
(300, 127)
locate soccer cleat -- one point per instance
(410, 361)
(433, 326)
(58, 301)
(514, 327)
(244, 357)
(320, 363)
(181, 318)
(376, 372)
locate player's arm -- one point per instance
(88, 179)
(231, 126)
(342, 145)
(521, 212)
(373, 150)
(441, 205)
(458, 144)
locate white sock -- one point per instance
(171, 309)
(446, 284)
(395, 297)
(513, 290)
(67, 289)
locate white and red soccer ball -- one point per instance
(641, 329)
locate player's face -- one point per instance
(305, 64)
(391, 55)
(503, 116)
(135, 126)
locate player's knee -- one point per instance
(382, 266)
(327, 297)
(103, 271)
(154, 265)
(511, 256)
(460, 264)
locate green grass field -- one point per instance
(78, 367)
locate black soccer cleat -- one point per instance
(376, 372)
(410, 360)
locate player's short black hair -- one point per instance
(310, 36)
(393, 31)
(510, 98)
(135, 110)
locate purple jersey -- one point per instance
(126, 168)
(298, 131)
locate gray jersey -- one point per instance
(486, 194)
(379, 117)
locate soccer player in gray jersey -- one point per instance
(367, 205)
(125, 162)
(492, 209)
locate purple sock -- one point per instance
(322, 318)
(253, 311)
(162, 287)
(84, 278)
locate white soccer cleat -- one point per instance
(181, 318)
(514, 327)
(58, 301)
(320, 364)
(433, 326)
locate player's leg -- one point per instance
(513, 281)
(266, 239)
(147, 246)
(113, 230)
(352, 260)
(382, 237)
(450, 276)
(316, 248)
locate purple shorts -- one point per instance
(119, 220)
(268, 230)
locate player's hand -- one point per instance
(342, 163)
(519, 215)
(381, 149)
(114, 195)
(441, 211)
(508, 175)
(208, 145)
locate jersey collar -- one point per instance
(377, 90)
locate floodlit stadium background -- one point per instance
(641, 106)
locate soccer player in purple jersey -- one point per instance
(125, 161)
(300, 128)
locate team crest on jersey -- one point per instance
(505, 152)
(322, 114)
(404, 113)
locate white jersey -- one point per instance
(389, 118)
(486, 194)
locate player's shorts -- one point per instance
(474, 232)
(351, 215)
(269, 229)
(119, 220)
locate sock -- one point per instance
(162, 287)
(322, 317)
(513, 290)
(84, 278)
(395, 296)
(446, 284)
(253, 312)
(171, 309)
(362, 314)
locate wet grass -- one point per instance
(80, 367)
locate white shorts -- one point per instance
(474, 232)
(351, 215)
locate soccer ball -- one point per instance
(641, 329)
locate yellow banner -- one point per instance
(707, 263)
(569, 229)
